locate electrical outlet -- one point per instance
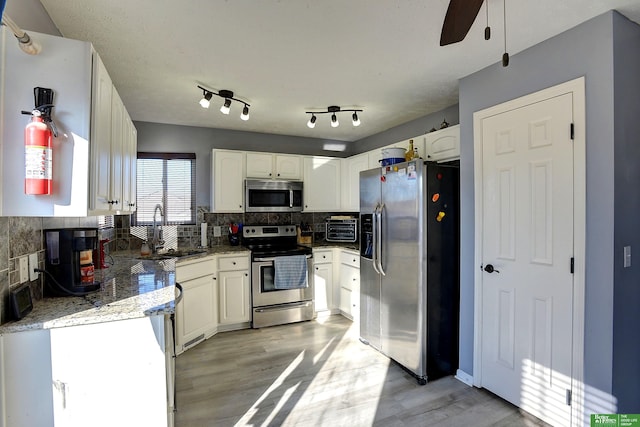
(217, 231)
(33, 264)
(23, 265)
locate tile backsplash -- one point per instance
(21, 236)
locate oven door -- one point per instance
(263, 289)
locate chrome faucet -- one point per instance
(156, 241)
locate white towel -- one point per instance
(290, 272)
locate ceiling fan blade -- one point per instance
(458, 20)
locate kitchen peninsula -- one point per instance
(102, 359)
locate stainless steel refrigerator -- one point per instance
(409, 265)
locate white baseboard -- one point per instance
(464, 377)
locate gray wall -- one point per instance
(626, 340)
(30, 15)
(586, 50)
(157, 137)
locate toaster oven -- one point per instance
(342, 230)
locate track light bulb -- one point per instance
(334, 121)
(205, 101)
(356, 120)
(312, 122)
(245, 113)
(225, 108)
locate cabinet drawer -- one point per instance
(195, 269)
(323, 256)
(350, 258)
(233, 263)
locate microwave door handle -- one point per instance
(374, 243)
(290, 198)
(379, 240)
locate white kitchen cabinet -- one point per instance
(273, 166)
(234, 287)
(100, 137)
(113, 149)
(351, 169)
(322, 181)
(129, 169)
(443, 145)
(323, 268)
(197, 312)
(350, 284)
(227, 188)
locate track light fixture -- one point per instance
(228, 97)
(333, 109)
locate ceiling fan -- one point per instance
(460, 17)
(458, 20)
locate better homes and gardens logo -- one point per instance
(615, 420)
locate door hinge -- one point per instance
(568, 397)
(572, 265)
(572, 131)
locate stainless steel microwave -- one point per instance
(265, 195)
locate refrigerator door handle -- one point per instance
(379, 239)
(374, 243)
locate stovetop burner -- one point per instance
(272, 240)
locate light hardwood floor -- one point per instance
(319, 374)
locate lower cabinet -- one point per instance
(350, 284)
(323, 280)
(197, 314)
(234, 303)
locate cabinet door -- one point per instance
(100, 137)
(321, 184)
(117, 149)
(234, 298)
(351, 181)
(129, 154)
(259, 165)
(323, 286)
(288, 167)
(443, 144)
(228, 181)
(196, 311)
(345, 302)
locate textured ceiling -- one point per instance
(285, 57)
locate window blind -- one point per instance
(167, 179)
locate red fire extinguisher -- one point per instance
(38, 156)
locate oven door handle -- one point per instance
(270, 259)
(283, 307)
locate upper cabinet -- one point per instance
(273, 166)
(227, 186)
(351, 169)
(114, 149)
(321, 184)
(443, 145)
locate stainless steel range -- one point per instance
(281, 275)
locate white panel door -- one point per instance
(528, 241)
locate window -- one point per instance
(167, 179)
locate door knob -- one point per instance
(489, 269)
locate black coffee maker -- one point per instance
(69, 261)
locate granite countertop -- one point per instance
(130, 288)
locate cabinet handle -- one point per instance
(354, 260)
(215, 278)
(278, 174)
(233, 262)
(246, 274)
(316, 268)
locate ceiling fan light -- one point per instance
(312, 122)
(225, 109)
(355, 119)
(334, 121)
(245, 113)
